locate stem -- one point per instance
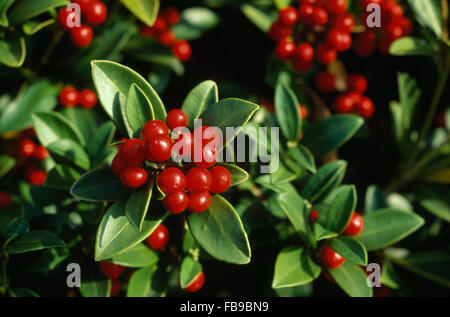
(444, 15)
(5, 282)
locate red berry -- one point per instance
(41, 153)
(132, 152)
(118, 164)
(301, 66)
(88, 98)
(171, 15)
(320, 16)
(26, 148)
(355, 225)
(196, 284)
(365, 44)
(69, 97)
(221, 179)
(65, 17)
(182, 50)
(37, 177)
(330, 258)
(183, 144)
(111, 270)
(288, 16)
(207, 153)
(115, 288)
(81, 36)
(171, 180)
(206, 134)
(357, 83)
(198, 180)
(365, 107)
(199, 202)
(176, 203)
(339, 40)
(284, 49)
(344, 104)
(306, 13)
(176, 118)
(5, 199)
(95, 12)
(303, 111)
(314, 214)
(167, 38)
(305, 52)
(82, 3)
(337, 6)
(406, 26)
(158, 148)
(278, 31)
(133, 177)
(153, 128)
(344, 22)
(158, 238)
(325, 54)
(394, 31)
(326, 81)
(384, 44)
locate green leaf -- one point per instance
(351, 249)
(22, 292)
(342, 207)
(261, 19)
(137, 205)
(374, 199)
(8, 214)
(84, 120)
(387, 226)
(100, 184)
(40, 96)
(292, 206)
(200, 98)
(12, 51)
(322, 183)
(302, 157)
(4, 6)
(93, 284)
(231, 112)
(117, 235)
(294, 267)
(61, 177)
(352, 279)
(435, 199)
(33, 241)
(408, 46)
(144, 10)
(27, 9)
(6, 164)
(49, 260)
(140, 282)
(189, 271)
(51, 127)
(138, 108)
(331, 133)
(69, 152)
(113, 81)
(138, 256)
(286, 111)
(220, 232)
(194, 22)
(428, 14)
(32, 27)
(238, 175)
(323, 233)
(99, 148)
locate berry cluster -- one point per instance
(5, 199)
(70, 97)
(94, 12)
(330, 258)
(30, 155)
(160, 30)
(393, 26)
(185, 187)
(353, 100)
(325, 24)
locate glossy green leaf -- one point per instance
(100, 147)
(140, 282)
(12, 51)
(428, 13)
(138, 204)
(351, 249)
(40, 96)
(286, 111)
(342, 207)
(84, 120)
(27, 9)
(144, 10)
(100, 184)
(302, 157)
(292, 206)
(8, 214)
(32, 27)
(408, 45)
(33, 241)
(138, 256)
(138, 108)
(260, 18)
(66, 151)
(189, 270)
(51, 127)
(4, 6)
(374, 199)
(220, 232)
(61, 177)
(294, 267)
(194, 22)
(49, 260)
(113, 81)
(352, 279)
(323, 233)
(6, 164)
(199, 99)
(238, 175)
(93, 284)
(322, 183)
(387, 226)
(435, 199)
(117, 235)
(331, 133)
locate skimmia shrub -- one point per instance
(173, 149)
